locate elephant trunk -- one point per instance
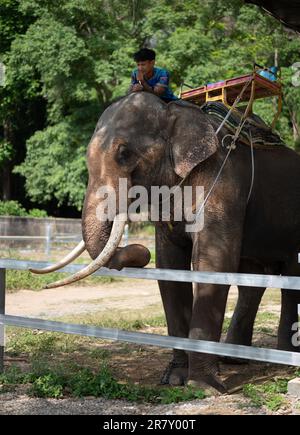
(101, 238)
(95, 231)
(104, 256)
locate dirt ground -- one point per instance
(142, 365)
(64, 301)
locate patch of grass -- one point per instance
(99, 353)
(268, 394)
(49, 385)
(23, 279)
(265, 322)
(265, 330)
(79, 382)
(129, 321)
(133, 324)
(153, 256)
(226, 324)
(35, 344)
(179, 394)
(10, 378)
(250, 391)
(266, 316)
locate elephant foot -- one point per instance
(210, 384)
(175, 373)
(134, 255)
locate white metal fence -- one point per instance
(224, 349)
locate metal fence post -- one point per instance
(126, 234)
(2, 311)
(48, 239)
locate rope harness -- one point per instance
(232, 146)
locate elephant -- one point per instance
(149, 143)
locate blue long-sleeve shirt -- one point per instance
(160, 78)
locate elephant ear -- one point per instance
(191, 135)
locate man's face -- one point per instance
(145, 66)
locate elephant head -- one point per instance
(141, 139)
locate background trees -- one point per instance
(66, 60)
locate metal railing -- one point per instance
(222, 349)
(50, 240)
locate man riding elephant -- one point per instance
(148, 78)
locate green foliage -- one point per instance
(79, 382)
(36, 212)
(49, 385)
(178, 394)
(63, 144)
(6, 152)
(14, 208)
(11, 208)
(268, 394)
(67, 60)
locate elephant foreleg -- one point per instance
(210, 254)
(177, 298)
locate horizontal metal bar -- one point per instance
(66, 237)
(23, 237)
(242, 279)
(209, 347)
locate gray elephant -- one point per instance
(151, 143)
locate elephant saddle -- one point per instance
(254, 129)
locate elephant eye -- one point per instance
(124, 154)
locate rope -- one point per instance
(215, 181)
(234, 104)
(230, 147)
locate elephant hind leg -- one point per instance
(289, 321)
(241, 326)
(289, 318)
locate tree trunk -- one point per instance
(6, 170)
(6, 183)
(296, 129)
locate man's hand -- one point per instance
(137, 87)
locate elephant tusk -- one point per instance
(78, 250)
(104, 256)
